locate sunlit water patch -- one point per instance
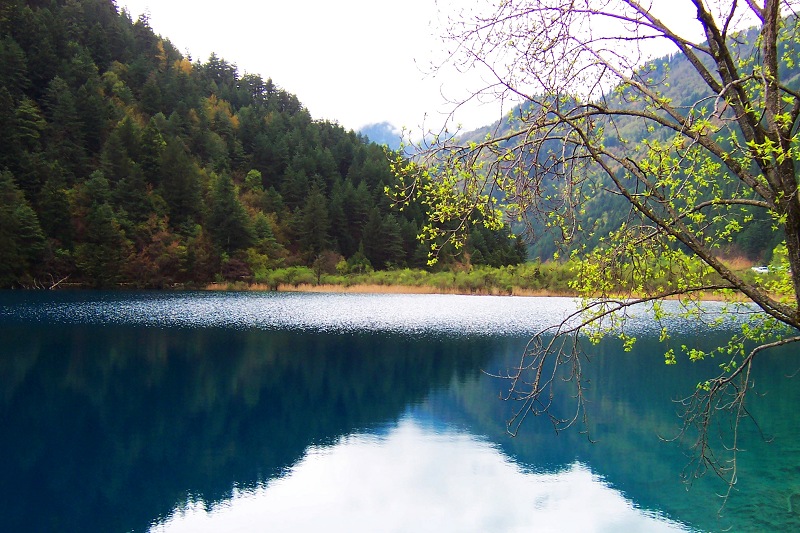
(408, 314)
(418, 478)
(319, 312)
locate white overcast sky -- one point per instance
(355, 62)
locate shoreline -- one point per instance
(368, 288)
(384, 288)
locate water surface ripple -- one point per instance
(395, 313)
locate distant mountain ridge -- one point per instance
(383, 133)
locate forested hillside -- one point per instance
(124, 162)
(603, 211)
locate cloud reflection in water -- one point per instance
(417, 478)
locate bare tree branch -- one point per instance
(687, 172)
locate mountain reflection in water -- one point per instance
(183, 411)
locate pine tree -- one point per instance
(228, 221)
(314, 224)
(13, 66)
(180, 184)
(66, 140)
(54, 210)
(101, 257)
(21, 237)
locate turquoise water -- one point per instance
(170, 412)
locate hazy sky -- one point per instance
(353, 61)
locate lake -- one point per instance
(189, 412)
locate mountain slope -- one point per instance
(678, 81)
(124, 162)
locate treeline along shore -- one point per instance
(529, 279)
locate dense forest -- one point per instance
(124, 162)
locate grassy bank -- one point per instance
(532, 279)
(541, 279)
(379, 289)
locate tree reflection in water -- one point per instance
(113, 426)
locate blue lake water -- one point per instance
(187, 412)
